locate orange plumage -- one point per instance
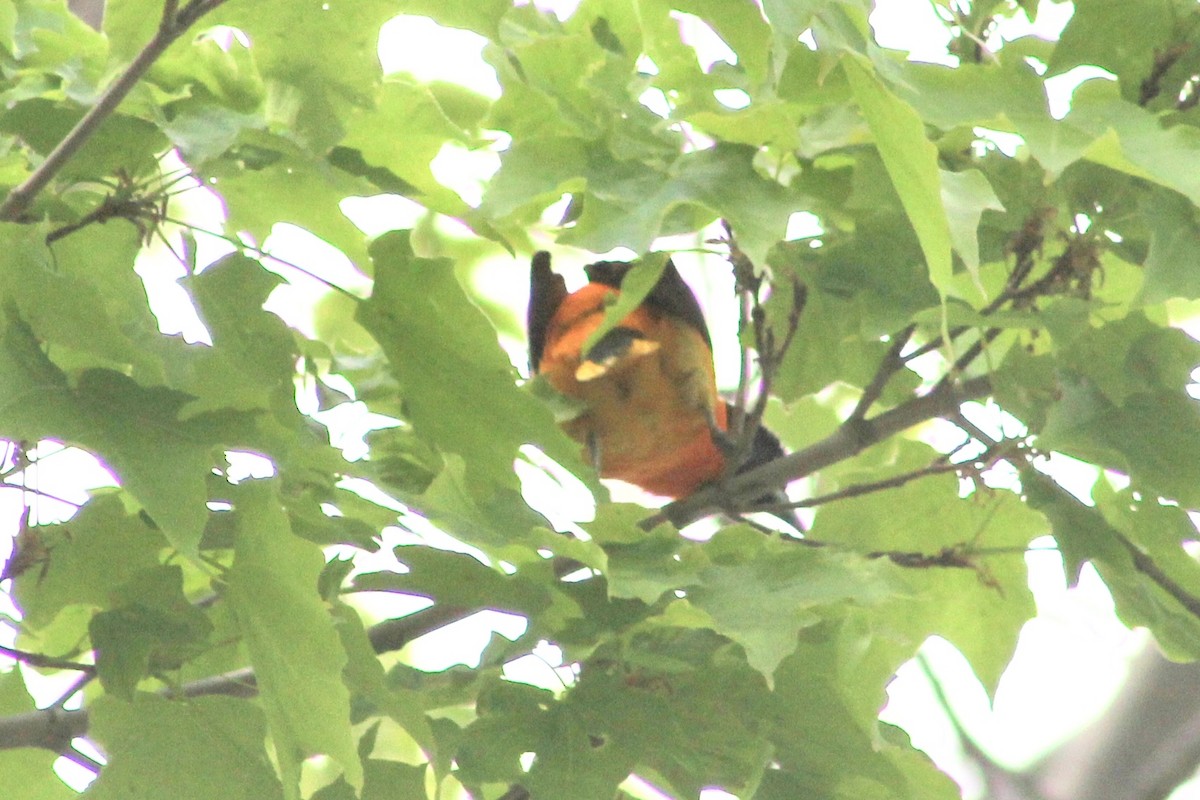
(648, 386)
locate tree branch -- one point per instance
(53, 729)
(847, 441)
(889, 366)
(173, 25)
(46, 662)
(858, 489)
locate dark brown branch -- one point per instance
(53, 728)
(746, 286)
(846, 442)
(1145, 565)
(77, 758)
(858, 489)
(175, 22)
(1024, 245)
(1151, 86)
(889, 366)
(1141, 561)
(968, 356)
(45, 662)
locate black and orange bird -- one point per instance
(651, 414)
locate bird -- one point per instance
(650, 413)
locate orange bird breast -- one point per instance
(648, 388)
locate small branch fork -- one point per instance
(174, 23)
(1070, 272)
(142, 204)
(145, 206)
(768, 352)
(969, 470)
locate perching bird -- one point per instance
(651, 413)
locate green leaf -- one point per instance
(637, 284)
(668, 721)
(179, 742)
(266, 180)
(741, 26)
(761, 600)
(162, 461)
(966, 195)
(383, 780)
(1084, 534)
(122, 143)
(1115, 36)
(457, 579)
(1174, 240)
(535, 172)
(316, 71)
(822, 719)
(457, 383)
(761, 124)
(101, 533)
(252, 362)
(493, 518)
(150, 629)
(404, 133)
(925, 516)
(1125, 137)
(1149, 435)
(366, 679)
(481, 16)
(74, 308)
(629, 205)
(911, 162)
(1001, 95)
(293, 646)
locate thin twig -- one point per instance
(974, 431)
(889, 366)
(1142, 562)
(46, 662)
(940, 466)
(53, 728)
(746, 289)
(969, 355)
(261, 254)
(75, 756)
(174, 24)
(845, 442)
(747, 417)
(41, 493)
(859, 489)
(1145, 565)
(956, 556)
(74, 689)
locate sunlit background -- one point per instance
(1072, 657)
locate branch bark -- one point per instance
(53, 728)
(847, 441)
(175, 22)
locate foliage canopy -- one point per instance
(1028, 296)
